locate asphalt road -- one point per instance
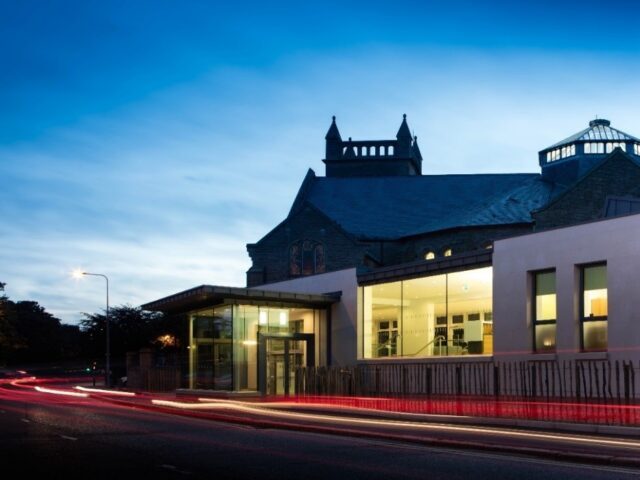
(84, 438)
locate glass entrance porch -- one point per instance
(253, 347)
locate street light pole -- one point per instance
(108, 352)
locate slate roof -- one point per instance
(394, 207)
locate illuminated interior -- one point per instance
(224, 346)
(441, 315)
(595, 307)
(545, 311)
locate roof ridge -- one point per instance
(433, 175)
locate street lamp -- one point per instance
(79, 274)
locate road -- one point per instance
(87, 438)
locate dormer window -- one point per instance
(447, 252)
(636, 149)
(430, 255)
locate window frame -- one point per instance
(599, 318)
(534, 310)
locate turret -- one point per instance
(366, 158)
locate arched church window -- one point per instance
(306, 257)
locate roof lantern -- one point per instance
(567, 160)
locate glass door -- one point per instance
(276, 366)
(280, 356)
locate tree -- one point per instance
(29, 333)
(8, 338)
(130, 328)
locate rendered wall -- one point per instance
(343, 313)
(614, 241)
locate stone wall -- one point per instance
(271, 254)
(618, 175)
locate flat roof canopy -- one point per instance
(210, 295)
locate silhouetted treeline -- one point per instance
(28, 333)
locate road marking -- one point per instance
(66, 437)
(25, 420)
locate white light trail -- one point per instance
(61, 392)
(258, 410)
(106, 392)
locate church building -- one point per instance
(378, 262)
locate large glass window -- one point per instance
(424, 301)
(469, 308)
(224, 343)
(448, 314)
(245, 333)
(382, 317)
(544, 311)
(594, 307)
(211, 349)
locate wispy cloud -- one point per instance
(163, 194)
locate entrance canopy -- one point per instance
(209, 295)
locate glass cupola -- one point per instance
(567, 160)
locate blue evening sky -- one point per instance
(151, 140)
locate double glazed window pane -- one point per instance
(595, 335)
(546, 296)
(595, 291)
(546, 337)
(545, 312)
(595, 308)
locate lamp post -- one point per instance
(108, 351)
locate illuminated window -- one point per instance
(613, 145)
(429, 255)
(306, 258)
(636, 148)
(440, 315)
(594, 147)
(382, 320)
(447, 252)
(594, 307)
(562, 152)
(544, 311)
